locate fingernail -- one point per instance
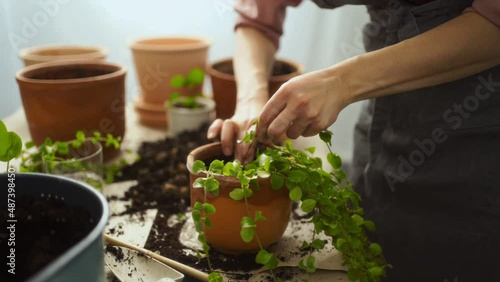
(211, 135)
(227, 151)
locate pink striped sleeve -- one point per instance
(489, 9)
(267, 16)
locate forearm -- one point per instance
(253, 60)
(459, 48)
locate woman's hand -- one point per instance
(305, 105)
(234, 129)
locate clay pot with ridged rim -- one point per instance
(42, 54)
(62, 97)
(224, 235)
(221, 74)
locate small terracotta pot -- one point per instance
(224, 235)
(221, 74)
(156, 60)
(62, 97)
(185, 119)
(42, 54)
(152, 115)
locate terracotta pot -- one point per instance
(42, 54)
(156, 60)
(60, 98)
(224, 85)
(224, 235)
(182, 119)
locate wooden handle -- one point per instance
(202, 276)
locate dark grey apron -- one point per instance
(432, 181)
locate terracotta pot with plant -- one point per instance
(229, 213)
(221, 74)
(60, 98)
(327, 197)
(156, 61)
(42, 54)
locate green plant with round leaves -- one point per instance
(51, 152)
(10, 145)
(194, 78)
(327, 196)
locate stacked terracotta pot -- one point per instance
(156, 61)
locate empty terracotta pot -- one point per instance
(62, 97)
(221, 74)
(42, 54)
(224, 235)
(156, 60)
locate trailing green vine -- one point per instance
(327, 196)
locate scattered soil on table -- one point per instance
(163, 184)
(42, 232)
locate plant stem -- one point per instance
(256, 235)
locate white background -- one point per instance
(313, 37)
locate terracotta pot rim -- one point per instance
(299, 69)
(216, 147)
(95, 52)
(119, 71)
(199, 44)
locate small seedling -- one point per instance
(191, 82)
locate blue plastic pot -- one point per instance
(84, 261)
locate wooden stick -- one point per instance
(202, 276)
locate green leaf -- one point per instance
(259, 216)
(29, 144)
(308, 205)
(207, 222)
(195, 77)
(215, 277)
(297, 176)
(375, 249)
(358, 219)
(198, 206)
(340, 243)
(247, 192)
(237, 194)
(4, 140)
(208, 208)
(318, 244)
(305, 245)
(196, 214)
(310, 150)
(265, 161)
(199, 182)
(199, 166)
(376, 271)
(217, 166)
(247, 232)
(277, 181)
(295, 194)
(369, 225)
(228, 169)
(269, 260)
(15, 145)
(310, 263)
(80, 136)
(212, 185)
(263, 174)
(326, 136)
(177, 81)
(334, 160)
